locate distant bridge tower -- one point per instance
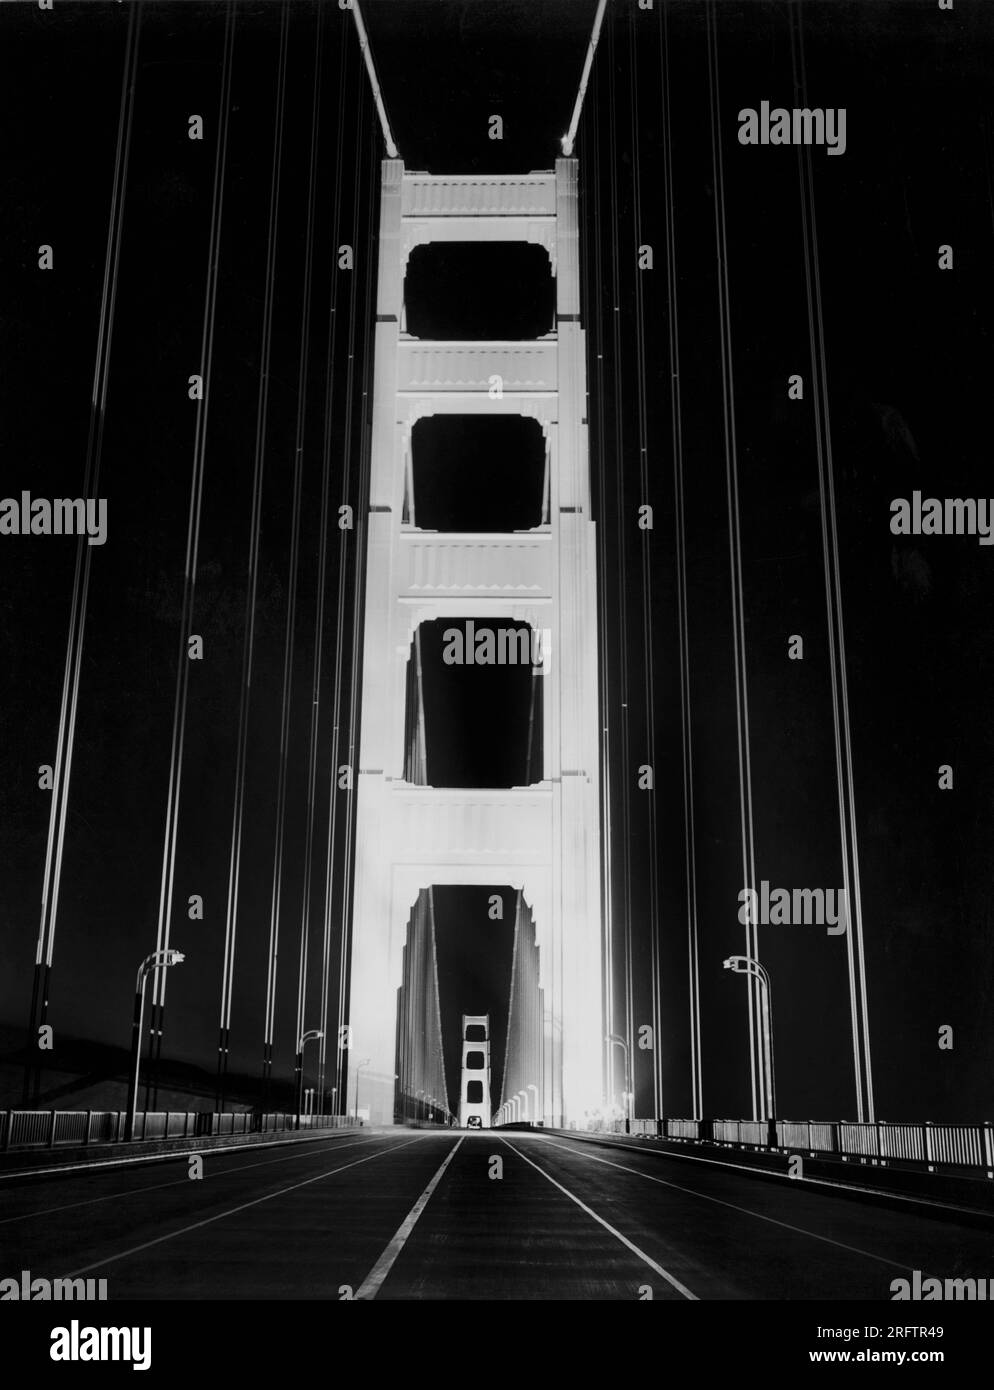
(543, 839)
(474, 1082)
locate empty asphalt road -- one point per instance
(417, 1214)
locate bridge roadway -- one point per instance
(415, 1214)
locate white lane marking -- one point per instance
(178, 1182)
(232, 1211)
(719, 1201)
(373, 1281)
(646, 1259)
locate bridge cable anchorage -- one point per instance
(52, 876)
(168, 872)
(569, 138)
(367, 54)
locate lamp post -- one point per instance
(524, 1105)
(363, 1063)
(748, 965)
(532, 1087)
(158, 960)
(305, 1038)
(627, 1093)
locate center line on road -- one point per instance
(646, 1259)
(733, 1206)
(373, 1282)
(232, 1211)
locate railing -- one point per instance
(46, 1129)
(955, 1146)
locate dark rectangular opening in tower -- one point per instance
(478, 472)
(474, 704)
(479, 290)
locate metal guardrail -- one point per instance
(957, 1146)
(47, 1129)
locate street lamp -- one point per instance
(620, 1042)
(363, 1063)
(532, 1087)
(158, 960)
(305, 1038)
(748, 965)
(524, 1105)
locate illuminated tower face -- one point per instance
(542, 838)
(474, 1082)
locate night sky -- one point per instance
(909, 365)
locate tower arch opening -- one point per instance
(479, 291)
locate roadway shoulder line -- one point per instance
(733, 1206)
(373, 1281)
(232, 1211)
(161, 1156)
(857, 1191)
(646, 1259)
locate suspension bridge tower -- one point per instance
(543, 839)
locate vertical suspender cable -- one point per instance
(248, 647)
(757, 1053)
(286, 702)
(358, 607)
(686, 724)
(647, 604)
(353, 488)
(192, 546)
(437, 1000)
(305, 915)
(62, 770)
(621, 616)
(331, 352)
(604, 627)
(833, 603)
